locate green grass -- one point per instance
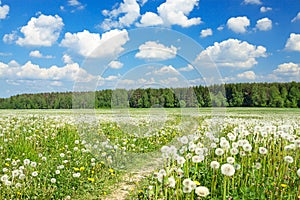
(105, 145)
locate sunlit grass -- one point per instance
(237, 153)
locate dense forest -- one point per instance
(231, 95)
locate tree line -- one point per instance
(231, 95)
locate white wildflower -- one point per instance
(227, 169)
(215, 164)
(202, 191)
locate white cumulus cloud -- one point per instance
(293, 42)
(4, 10)
(249, 75)
(231, 53)
(75, 3)
(92, 45)
(115, 64)
(206, 32)
(175, 12)
(296, 18)
(38, 54)
(123, 16)
(154, 50)
(188, 68)
(41, 31)
(238, 24)
(288, 69)
(150, 19)
(264, 9)
(264, 24)
(257, 2)
(30, 71)
(67, 59)
(168, 70)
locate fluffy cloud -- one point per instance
(123, 16)
(154, 50)
(69, 72)
(264, 9)
(4, 10)
(76, 4)
(142, 2)
(264, 24)
(293, 43)
(115, 64)
(296, 18)
(206, 32)
(41, 31)
(231, 53)
(188, 68)
(168, 70)
(250, 75)
(175, 12)
(150, 19)
(238, 24)
(38, 54)
(257, 2)
(67, 59)
(92, 45)
(10, 38)
(288, 69)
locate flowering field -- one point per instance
(192, 154)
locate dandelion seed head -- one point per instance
(230, 160)
(202, 191)
(215, 165)
(219, 151)
(227, 169)
(288, 159)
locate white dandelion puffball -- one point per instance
(215, 164)
(53, 180)
(219, 151)
(202, 191)
(234, 151)
(257, 165)
(34, 174)
(288, 159)
(189, 183)
(26, 162)
(247, 147)
(33, 164)
(230, 160)
(172, 182)
(187, 189)
(262, 150)
(298, 172)
(197, 159)
(184, 140)
(227, 170)
(180, 160)
(4, 178)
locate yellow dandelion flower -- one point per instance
(111, 170)
(81, 168)
(76, 169)
(91, 179)
(197, 182)
(284, 185)
(6, 164)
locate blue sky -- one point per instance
(74, 45)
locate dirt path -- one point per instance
(122, 189)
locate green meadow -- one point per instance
(154, 153)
